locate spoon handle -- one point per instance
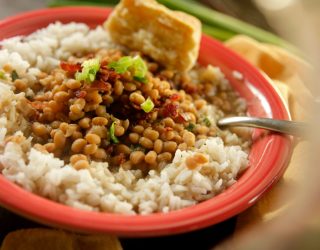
(287, 127)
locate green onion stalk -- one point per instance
(215, 24)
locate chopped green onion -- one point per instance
(207, 122)
(2, 75)
(140, 69)
(122, 65)
(190, 127)
(147, 106)
(112, 135)
(134, 64)
(14, 75)
(89, 71)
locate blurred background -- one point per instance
(244, 9)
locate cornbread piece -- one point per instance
(169, 37)
(34, 239)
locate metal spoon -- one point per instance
(287, 127)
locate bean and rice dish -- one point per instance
(97, 127)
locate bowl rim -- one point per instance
(201, 215)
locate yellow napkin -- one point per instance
(289, 75)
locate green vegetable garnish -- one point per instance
(112, 135)
(122, 65)
(190, 127)
(89, 71)
(147, 106)
(134, 64)
(207, 122)
(2, 75)
(14, 75)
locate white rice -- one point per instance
(98, 188)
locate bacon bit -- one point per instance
(181, 118)
(196, 160)
(109, 149)
(69, 67)
(168, 129)
(122, 158)
(106, 74)
(37, 105)
(80, 93)
(190, 88)
(175, 97)
(171, 110)
(100, 86)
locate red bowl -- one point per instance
(269, 155)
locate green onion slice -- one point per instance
(112, 135)
(2, 75)
(89, 71)
(134, 64)
(14, 75)
(147, 106)
(207, 122)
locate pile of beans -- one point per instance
(72, 119)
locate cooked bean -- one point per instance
(50, 147)
(107, 99)
(101, 131)
(76, 116)
(59, 139)
(39, 129)
(168, 135)
(76, 135)
(151, 157)
(168, 122)
(203, 130)
(183, 146)
(118, 130)
(73, 84)
(78, 145)
(80, 102)
(94, 97)
(121, 148)
(93, 139)
(61, 96)
(127, 165)
(170, 146)
(154, 94)
(63, 126)
(101, 111)
(118, 87)
(136, 98)
(85, 123)
(129, 86)
(100, 121)
(164, 157)
(134, 138)
(138, 129)
(77, 157)
(81, 164)
(146, 143)
(76, 109)
(189, 138)
(90, 149)
(136, 157)
(151, 134)
(21, 84)
(100, 154)
(158, 145)
(126, 124)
